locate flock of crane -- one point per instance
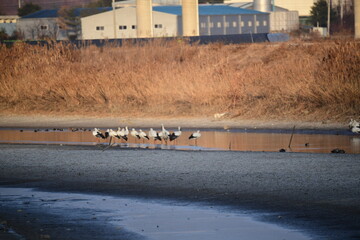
(123, 133)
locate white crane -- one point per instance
(98, 134)
(121, 133)
(164, 134)
(112, 134)
(134, 133)
(354, 126)
(175, 134)
(153, 135)
(195, 135)
(143, 135)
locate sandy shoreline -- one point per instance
(41, 121)
(319, 193)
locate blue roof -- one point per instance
(208, 10)
(53, 13)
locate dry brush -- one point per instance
(311, 81)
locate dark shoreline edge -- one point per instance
(326, 220)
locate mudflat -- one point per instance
(45, 121)
(319, 193)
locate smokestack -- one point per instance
(144, 18)
(262, 5)
(190, 18)
(357, 18)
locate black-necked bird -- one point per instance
(175, 134)
(98, 134)
(195, 135)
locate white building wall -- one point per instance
(40, 28)
(100, 26)
(284, 21)
(170, 25)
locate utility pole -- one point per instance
(341, 11)
(357, 18)
(328, 17)
(114, 18)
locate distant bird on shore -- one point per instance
(121, 133)
(175, 134)
(114, 134)
(143, 135)
(98, 134)
(195, 135)
(153, 135)
(164, 134)
(134, 133)
(354, 126)
(126, 131)
(107, 133)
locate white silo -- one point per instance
(190, 17)
(263, 5)
(144, 18)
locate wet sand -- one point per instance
(41, 121)
(318, 193)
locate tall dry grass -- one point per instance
(289, 80)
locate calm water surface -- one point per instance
(235, 139)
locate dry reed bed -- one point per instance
(289, 80)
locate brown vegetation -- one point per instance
(309, 81)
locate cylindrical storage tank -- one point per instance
(190, 18)
(357, 18)
(144, 18)
(262, 5)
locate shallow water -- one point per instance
(235, 139)
(152, 219)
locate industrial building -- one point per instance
(45, 24)
(167, 22)
(40, 24)
(281, 19)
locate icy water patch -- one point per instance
(152, 219)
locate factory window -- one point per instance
(211, 25)
(44, 27)
(133, 27)
(122, 27)
(227, 24)
(158, 25)
(219, 24)
(257, 23)
(203, 25)
(242, 23)
(265, 23)
(234, 24)
(100, 28)
(249, 23)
